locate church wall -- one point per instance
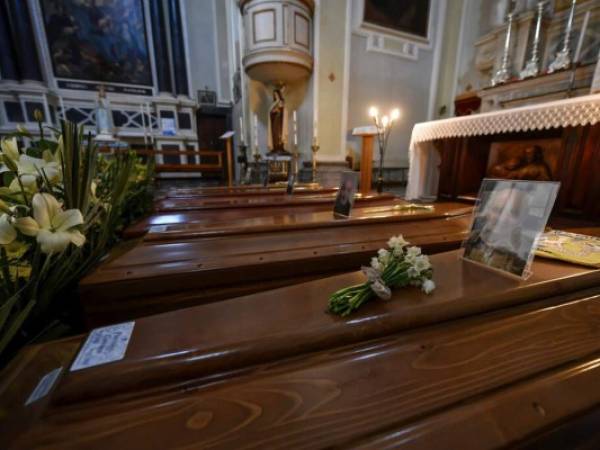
(389, 80)
(203, 45)
(332, 69)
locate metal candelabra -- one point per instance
(315, 148)
(563, 57)
(502, 75)
(532, 68)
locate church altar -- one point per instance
(425, 159)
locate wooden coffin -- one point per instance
(274, 201)
(158, 276)
(249, 191)
(233, 213)
(485, 361)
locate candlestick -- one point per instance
(315, 149)
(242, 140)
(532, 68)
(295, 128)
(255, 133)
(563, 57)
(384, 127)
(503, 73)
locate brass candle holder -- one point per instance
(315, 148)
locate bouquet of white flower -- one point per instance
(399, 266)
(58, 216)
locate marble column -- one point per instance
(8, 67)
(25, 50)
(161, 51)
(178, 48)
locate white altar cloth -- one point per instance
(424, 160)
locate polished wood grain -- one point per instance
(160, 276)
(226, 214)
(201, 342)
(242, 191)
(20, 378)
(531, 414)
(211, 203)
(303, 221)
(342, 396)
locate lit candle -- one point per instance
(255, 133)
(295, 128)
(395, 114)
(242, 130)
(62, 106)
(385, 121)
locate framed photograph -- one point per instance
(403, 17)
(207, 97)
(290, 183)
(345, 196)
(98, 41)
(508, 219)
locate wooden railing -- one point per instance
(217, 166)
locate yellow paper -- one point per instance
(571, 247)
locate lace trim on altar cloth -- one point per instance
(571, 112)
(424, 160)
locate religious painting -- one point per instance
(508, 218)
(345, 196)
(404, 16)
(525, 159)
(98, 40)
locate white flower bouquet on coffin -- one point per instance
(400, 265)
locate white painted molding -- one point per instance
(316, 58)
(216, 52)
(346, 79)
(41, 43)
(437, 56)
(459, 54)
(186, 48)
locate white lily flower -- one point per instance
(375, 264)
(7, 232)
(29, 165)
(397, 244)
(428, 286)
(53, 227)
(384, 256)
(10, 148)
(422, 263)
(411, 254)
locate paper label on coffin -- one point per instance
(158, 228)
(508, 219)
(44, 386)
(104, 345)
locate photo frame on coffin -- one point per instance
(508, 219)
(344, 200)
